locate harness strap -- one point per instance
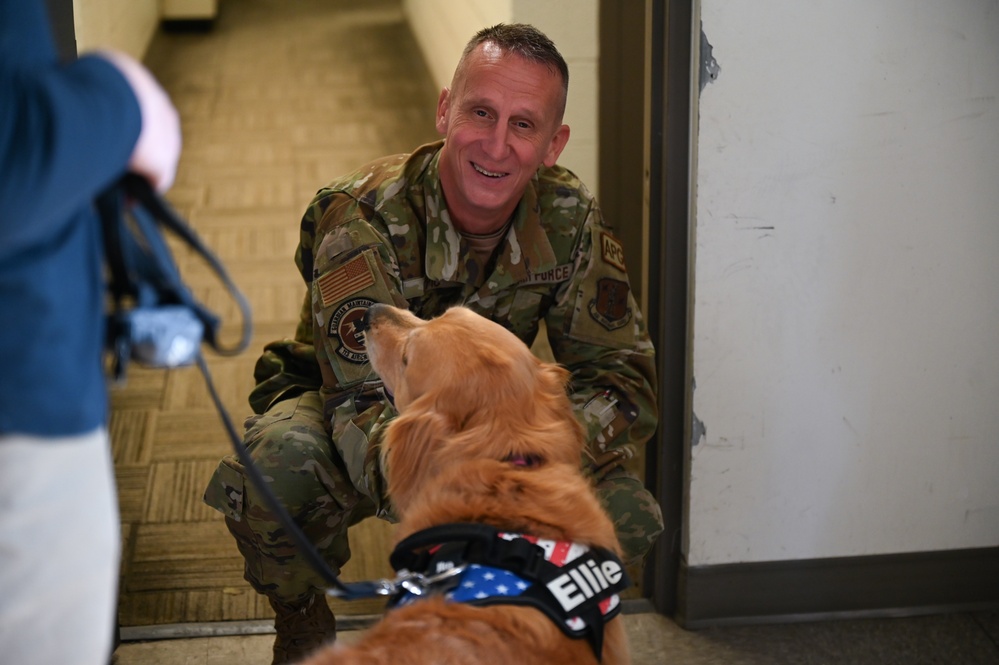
(475, 543)
(576, 586)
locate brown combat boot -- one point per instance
(301, 628)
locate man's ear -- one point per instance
(556, 145)
(443, 103)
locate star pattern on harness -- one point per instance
(481, 582)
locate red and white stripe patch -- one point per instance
(345, 281)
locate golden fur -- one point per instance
(471, 395)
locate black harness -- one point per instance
(576, 586)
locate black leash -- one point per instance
(347, 591)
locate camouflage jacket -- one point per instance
(382, 234)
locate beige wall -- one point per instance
(572, 25)
(442, 27)
(126, 26)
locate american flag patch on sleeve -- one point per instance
(345, 281)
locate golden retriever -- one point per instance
(485, 434)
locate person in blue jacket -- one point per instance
(68, 130)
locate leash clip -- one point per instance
(419, 584)
(357, 590)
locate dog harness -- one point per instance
(575, 585)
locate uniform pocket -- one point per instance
(225, 490)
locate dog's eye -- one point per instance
(405, 360)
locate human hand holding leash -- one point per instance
(157, 150)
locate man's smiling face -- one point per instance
(501, 121)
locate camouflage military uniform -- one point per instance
(382, 234)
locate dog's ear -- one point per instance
(554, 379)
(552, 405)
(553, 389)
(410, 452)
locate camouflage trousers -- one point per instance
(294, 453)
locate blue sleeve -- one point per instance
(67, 130)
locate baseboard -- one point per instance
(883, 585)
(179, 631)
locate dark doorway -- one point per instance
(645, 93)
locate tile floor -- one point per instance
(258, 142)
(958, 639)
(275, 100)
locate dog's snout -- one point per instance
(371, 315)
(364, 323)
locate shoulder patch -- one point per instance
(345, 281)
(343, 326)
(610, 307)
(612, 251)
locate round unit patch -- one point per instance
(343, 326)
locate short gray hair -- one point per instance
(529, 43)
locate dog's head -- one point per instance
(465, 388)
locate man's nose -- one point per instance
(497, 143)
